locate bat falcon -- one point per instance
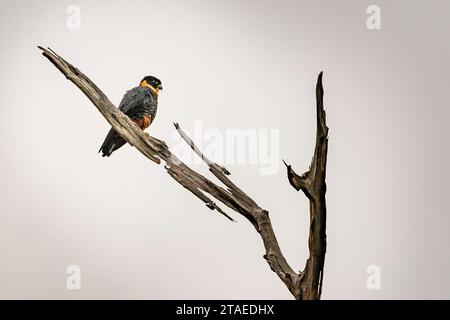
(140, 105)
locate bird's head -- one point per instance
(153, 83)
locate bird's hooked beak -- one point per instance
(158, 88)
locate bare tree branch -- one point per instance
(312, 183)
(303, 285)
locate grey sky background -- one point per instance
(136, 233)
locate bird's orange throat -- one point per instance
(147, 85)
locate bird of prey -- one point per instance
(140, 105)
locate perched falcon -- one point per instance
(140, 105)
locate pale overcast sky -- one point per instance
(225, 66)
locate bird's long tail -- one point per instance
(112, 142)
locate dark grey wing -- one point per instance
(132, 99)
(138, 102)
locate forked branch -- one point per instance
(303, 285)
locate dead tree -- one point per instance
(304, 285)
